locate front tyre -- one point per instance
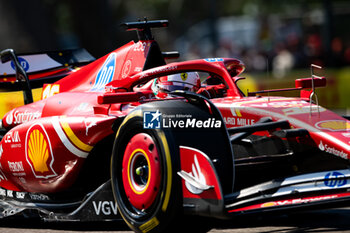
(143, 173)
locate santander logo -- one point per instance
(16, 117)
(335, 151)
(321, 146)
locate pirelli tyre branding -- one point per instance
(157, 120)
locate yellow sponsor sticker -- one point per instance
(151, 224)
(268, 204)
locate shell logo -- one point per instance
(39, 152)
(335, 125)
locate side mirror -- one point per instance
(307, 82)
(21, 76)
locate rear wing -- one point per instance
(27, 71)
(155, 57)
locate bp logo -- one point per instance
(151, 119)
(335, 179)
(39, 152)
(105, 74)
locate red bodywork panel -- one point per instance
(45, 155)
(48, 140)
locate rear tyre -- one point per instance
(143, 173)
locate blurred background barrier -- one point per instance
(10, 100)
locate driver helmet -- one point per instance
(188, 81)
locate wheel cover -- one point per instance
(141, 171)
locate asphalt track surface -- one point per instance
(334, 220)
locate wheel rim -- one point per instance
(141, 171)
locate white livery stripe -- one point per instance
(65, 140)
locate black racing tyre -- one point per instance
(143, 174)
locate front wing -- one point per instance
(203, 194)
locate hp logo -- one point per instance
(335, 179)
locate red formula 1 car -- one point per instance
(100, 145)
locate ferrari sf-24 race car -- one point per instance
(101, 145)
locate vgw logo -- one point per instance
(335, 179)
(151, 119)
